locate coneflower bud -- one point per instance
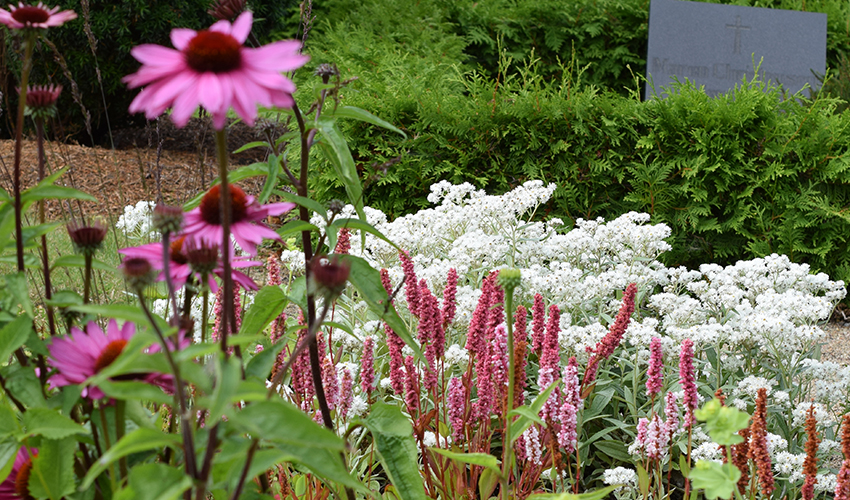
(326, 70)
(138, 272)
(41, 100)
(167, 219)
(87, 238)
(328, 276)
(509, 279)
(225, 10)
(202, 258)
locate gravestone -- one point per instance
(715, 45)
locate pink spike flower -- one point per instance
(656, 366)
(212, 68)
(34, 16)
(204, 221)
(367, 367)
(690, 399)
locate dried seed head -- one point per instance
(328, 277)
(203, 258)
(138, 272)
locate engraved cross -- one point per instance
(737, 27)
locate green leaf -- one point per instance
(643, 480)
(50, 424)
(261, 364)
(718, 480)
(305, 202)
(254, 144)
(9, 425)
(281, 422)
(271, 178)
(487, 483)
(295, 226)
(154, 482)
(13, 335)
(393, 438)
(119, 311)
(9, 447)
(358, 224)
(335, 149)
(587, 495)
(16, 284)
(141, 439)
(614, 449)
(22, 382)
(530, 414)
(322, 462)
(79, 261)
(55, 192)
(483, 459)
(229, 372)
(52, 474)
(723, 422)
(365, 116)
(368, 282)
(268, 304)
(134, 390)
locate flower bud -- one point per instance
(509, 279)
(225, 10)
(203, 258)
(167, 219)
(138, 272)
(87, 238)
(328, 277)
(41, 100)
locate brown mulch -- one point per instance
(121, 177)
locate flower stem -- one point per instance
(87, 257)
(507, 454)
(29, 42)
(120, 406)
(228, 319)
(169, 284)
(45, 261)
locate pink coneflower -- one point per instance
(34, 16)
(16, 485)
(81, 355)
(656, 366)
(211, 68)
(180, 268)
(204, 221)
(690, 399)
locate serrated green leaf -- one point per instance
(279, 421)
(393, 438)
(50, 424)
(229, 372)
(9, 425)
(154, 482)
(141, 439)
(9, 447)
(16, 285)
(261, 364)
(718, 480)
(268, 304)
(52, 474)
(13, 335)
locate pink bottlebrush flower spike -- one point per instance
(204, 221)
(654, 374)
(394, 344)
(367, 367)
(212, 68)
(450, 298)
(538, 322)
(411, 283)
(690, 399)
(457, 408)
(34, 16)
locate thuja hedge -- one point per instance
(738, 176)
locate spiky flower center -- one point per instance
(211, 205)
(110, 353)
(213, 51)
(22, 480)
(29, 14)
(178, 256)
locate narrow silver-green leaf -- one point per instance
(365, 116)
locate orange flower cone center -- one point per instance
(213, 51)
(211, 205)
(177, 254)
(109, 354)
(22, 480)
(30, 15)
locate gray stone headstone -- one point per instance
(715, 45)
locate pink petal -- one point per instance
(221, 26)
(157, 55)
(242, 26)
(184, 106)
(282, 100)
(180, 37)
(178, 86)
(209, 92)
(276, 56)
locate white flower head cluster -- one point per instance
(822, 415)
(135, 222)
(620, 475)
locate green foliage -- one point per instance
(116, 27)
(738, 176)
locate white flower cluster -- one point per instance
(135, 222)
(620, 475)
